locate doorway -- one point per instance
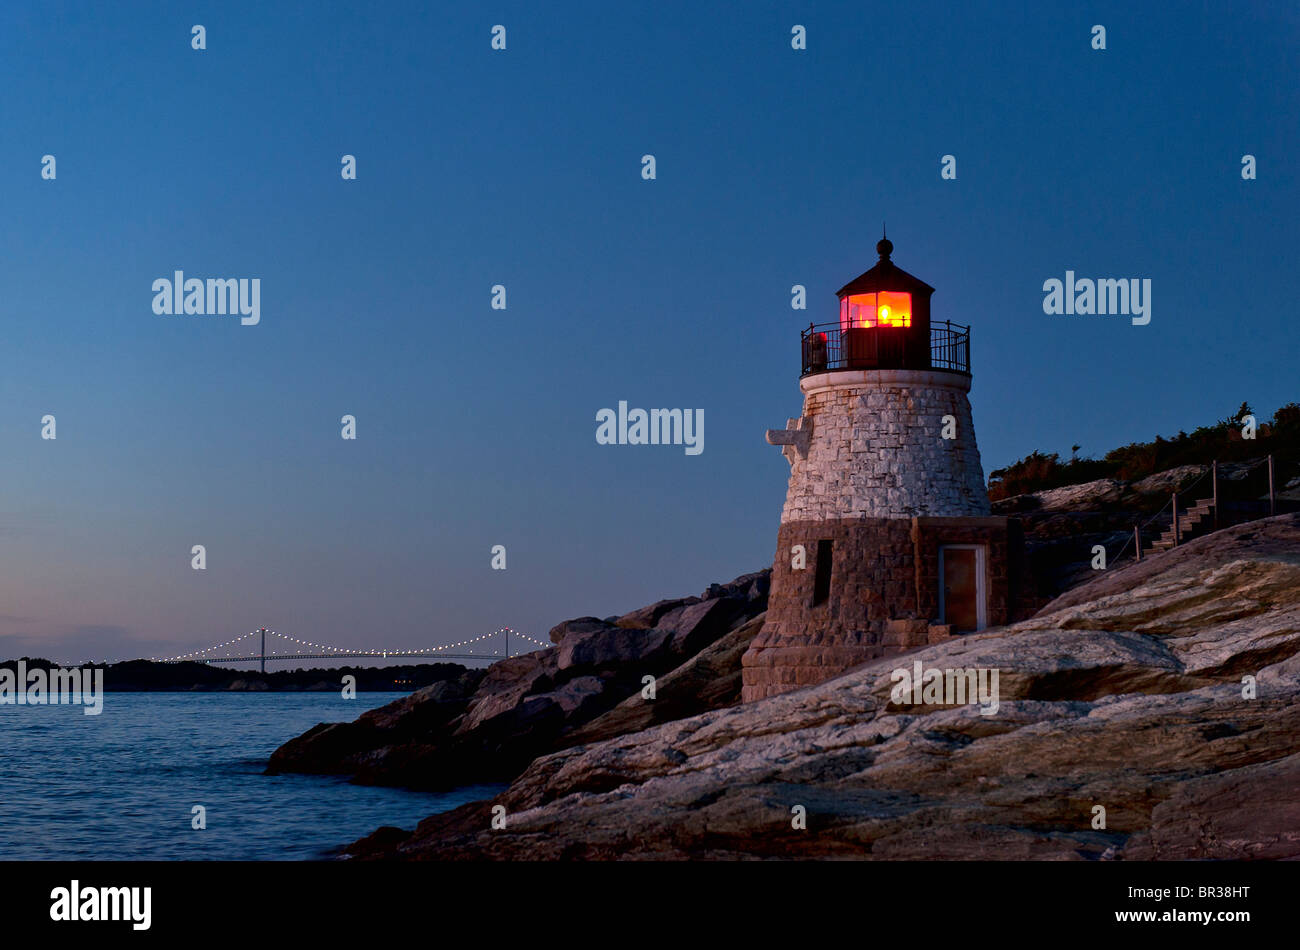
(961, 587)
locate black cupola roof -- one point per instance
(886, 275)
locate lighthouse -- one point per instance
(886, 542)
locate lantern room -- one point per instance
(884, 323)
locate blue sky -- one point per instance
(476, 427)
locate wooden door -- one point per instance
(961, 588)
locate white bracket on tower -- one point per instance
(793, 438)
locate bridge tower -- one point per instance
(886, 541)
(262, 631)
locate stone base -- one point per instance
(881, 569)
(776, 663)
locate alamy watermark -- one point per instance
(1102, 296)
(656, 427)
(55, 686)
(216, 295)
(75, 902)
(946, 687)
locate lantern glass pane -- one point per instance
(893, 309)
(862, 311)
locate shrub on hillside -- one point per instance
(1222, 441)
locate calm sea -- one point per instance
(121, 785)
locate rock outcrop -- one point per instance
(1126, 694)
(1063, 525)
(488, 725)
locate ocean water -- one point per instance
(121, 785)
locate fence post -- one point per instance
(1272, 494)
(1175, 498)
(1137, 541)
(1214, 470)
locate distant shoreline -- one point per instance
(146, 676)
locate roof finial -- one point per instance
(885, 247)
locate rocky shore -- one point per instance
(1165, 692)
(488, 725)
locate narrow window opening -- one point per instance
(822, 581)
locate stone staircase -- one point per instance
(1192, 523)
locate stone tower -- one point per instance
(886, 542)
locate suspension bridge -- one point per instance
(298, 649)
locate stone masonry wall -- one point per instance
(875, 448)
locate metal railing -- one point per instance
(828, 346)
(1223, 511)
